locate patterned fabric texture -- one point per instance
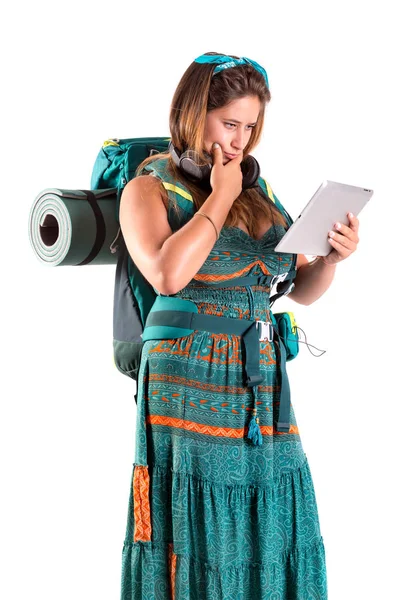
(212, 516)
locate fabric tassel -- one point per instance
(254, 432)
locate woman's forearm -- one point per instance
(312, 280)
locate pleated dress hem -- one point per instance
(274, 555)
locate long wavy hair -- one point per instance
(197, 93)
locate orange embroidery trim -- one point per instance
(141, 504)
(228, 432)
(172, 569)
(208, 277)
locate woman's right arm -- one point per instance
(170, 260)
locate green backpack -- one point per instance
(115, 165)
(134, 296)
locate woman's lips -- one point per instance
(230, 155)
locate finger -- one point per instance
(341, 250)
(216, 152)
(342, 241)
(346, 231)
(353, 221)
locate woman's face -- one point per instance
(231, 126)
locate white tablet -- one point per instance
(330, 203)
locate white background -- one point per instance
(77, 73)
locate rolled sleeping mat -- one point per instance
(74, 227)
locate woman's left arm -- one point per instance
(314, 278)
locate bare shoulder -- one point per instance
(143, 211)
(141, 187)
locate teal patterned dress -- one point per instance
(212, 516)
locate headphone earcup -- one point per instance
(188, 162)
(250, 171)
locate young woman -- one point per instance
(222, 504)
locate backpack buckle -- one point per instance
(283, 290)
(278, 279)
(265, 331)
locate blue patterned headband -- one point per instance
(225, 62)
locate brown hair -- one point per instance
(197, 93)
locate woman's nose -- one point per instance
(238, 140)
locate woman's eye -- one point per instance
(233, 125)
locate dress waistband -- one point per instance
(172, 317)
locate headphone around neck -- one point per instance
(187, 163)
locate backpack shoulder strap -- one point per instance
(266, 188)
(178, 194)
